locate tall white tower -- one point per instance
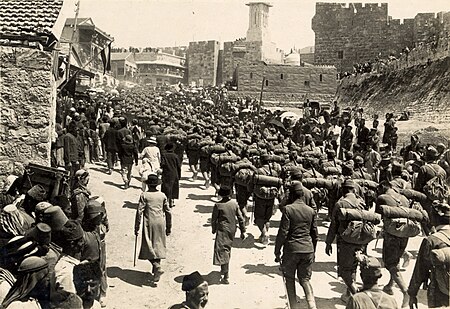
(258, 24)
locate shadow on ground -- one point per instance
(190, 185)
(262, 269)
(203, 209)
(130, 276)
(199, 197)
(131, 205)
(110, 183)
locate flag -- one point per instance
(71, 85)
(106, 58)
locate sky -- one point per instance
(160, 23)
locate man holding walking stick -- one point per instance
(297, 236)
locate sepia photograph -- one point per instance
(224, 154)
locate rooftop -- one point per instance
(28, 20)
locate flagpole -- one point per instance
(86, 64)
(69, 55)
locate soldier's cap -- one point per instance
(297, 187)
(371, 267)
(348, 183)
(265, 157)
(192, 281)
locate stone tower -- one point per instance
(258, 24)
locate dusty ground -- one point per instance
(256, 281)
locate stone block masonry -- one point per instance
(202, 59)
(28, 108)
(288, 83)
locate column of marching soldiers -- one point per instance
(300, 166)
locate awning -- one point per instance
(81, 71)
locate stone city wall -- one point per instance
(288, 83)
(28, 108)
(346, 34)
(202, 60)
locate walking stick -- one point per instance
(285, 288)
(135, 248)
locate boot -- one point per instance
(291, 294)
(309, 294)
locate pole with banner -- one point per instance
(260, 98)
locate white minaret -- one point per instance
(258, 24)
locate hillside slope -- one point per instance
(424, 90)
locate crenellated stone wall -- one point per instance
(28, 108)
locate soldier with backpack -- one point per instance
(431, 181)
(394, 242)
(264, 194)
(433, 263)
(193, 151)
(351, 236)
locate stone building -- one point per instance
(346, 34)
(28, 62)
(286, 82)
(87, 42)
(124, 68)
(219, 65)
(203, 61)
(157, 68)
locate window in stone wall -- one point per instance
(251, 75)
(307, 83)
(321, 77)
(281, 76)
(267, 82)
(340, 54)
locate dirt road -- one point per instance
(255, 279)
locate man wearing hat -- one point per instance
(297, 236)
(171, 173)
(223, 224)
(371, 296)
(152, 153)
(346, 252)
(128, 154)
(428, 171)
(425, 270)
(80, 195)
(197, 293)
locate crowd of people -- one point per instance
(53, 250)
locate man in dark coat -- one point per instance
(297, 236)
(171, 167)
(129, 154)
(71, 157)
(111, 147)
(223, 223)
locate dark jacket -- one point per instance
(129, 153)
(110, 140)
(298, 229)
(171, 166)
(70, 148)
